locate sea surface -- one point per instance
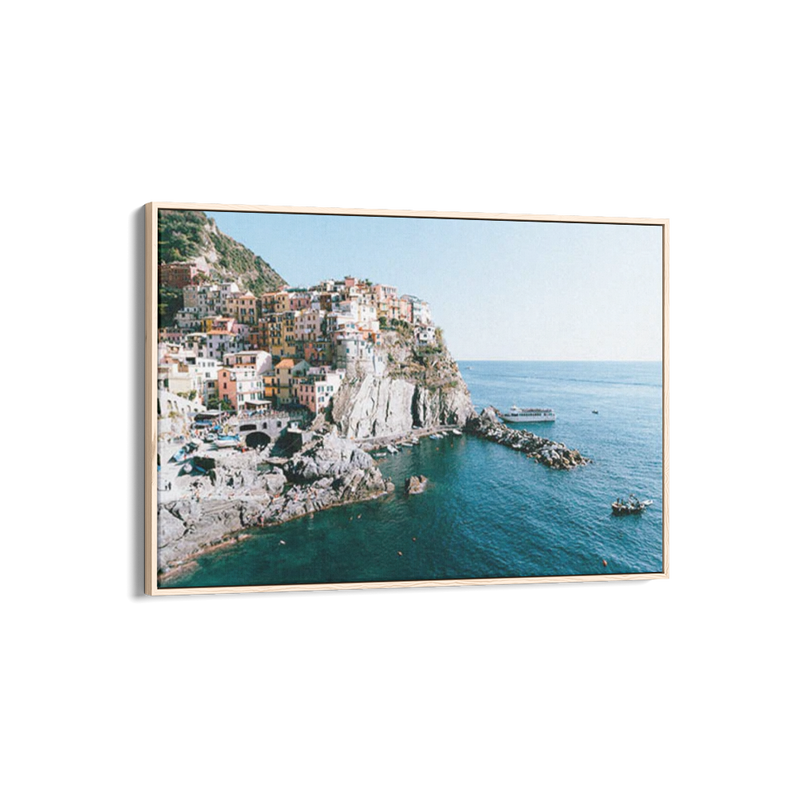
(489, 511)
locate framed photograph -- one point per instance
(342, 398)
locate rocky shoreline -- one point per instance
(247, 490)
(552, 454)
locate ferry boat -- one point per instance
(515, 414)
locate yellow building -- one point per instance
(283, 380)
(288, 373)
(244, 308)
(275, 302)
(270, 386)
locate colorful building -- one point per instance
(176, 275)
(244, 308)
(318, 352)
(287, 373)
(420, 311)
(242, 387)
(275, 302)
(258, 360)
(316, 390)
(309, 324)
(219, 342)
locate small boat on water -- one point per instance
(457, 432)
(622, 508)
(406, 444)
(595, 412)
(436, 436)
(516, 414)
(392, 449)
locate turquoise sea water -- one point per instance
(489, 511)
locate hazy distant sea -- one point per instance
(489, 511)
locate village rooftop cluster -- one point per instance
(287, 349)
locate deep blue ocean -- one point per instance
(489, 511)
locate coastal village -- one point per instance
(283, 352)
(277, 404)
(245, 386)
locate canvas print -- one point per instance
(357, 398)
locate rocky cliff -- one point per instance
(419, 387)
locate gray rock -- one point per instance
(170, 528)
(416, 484)
(274, 482)
(386, 407)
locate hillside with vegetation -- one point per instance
(191, 236)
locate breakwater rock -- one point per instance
(246, 491)
(552, 454)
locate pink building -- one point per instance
(308, 324)
(316, 390)
(299, 300)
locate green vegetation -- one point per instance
(180, 235)
(186, 235)
(170, 302)
(222, 404)
(244, 266)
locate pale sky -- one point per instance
(500, 290)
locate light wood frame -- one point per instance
(151, 209)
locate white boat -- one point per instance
(457, 432)
(227, 441)
(406, 444)
(515, 414)
(392, 449)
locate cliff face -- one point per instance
(421, 387)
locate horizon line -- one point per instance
(576, 360)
